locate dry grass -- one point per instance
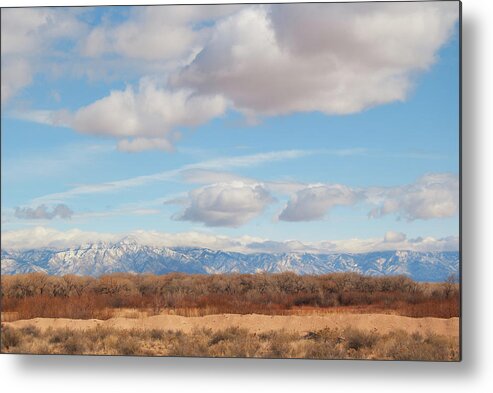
(34, 295)
(232, 342)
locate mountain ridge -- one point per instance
(100, 258)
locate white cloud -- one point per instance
(226, 204)
(29, 35)
(313, 202)
(259, 59)
(145, 41)
(150, 33)
(148, 112)
(142, 119)
(193, 239)
(33, 30)
(16, 74)
(433, 195)
(394, 237)
(422, 244)
(38, 237)
(333, 58)
(148, 40)
(429, 243)
(155, 33)
(42, 212)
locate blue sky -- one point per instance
(118, 127)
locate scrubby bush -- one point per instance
(357, 339)
(235, 342)
(126, 345)
(73, 346)
(10, 338)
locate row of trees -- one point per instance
(265, 285)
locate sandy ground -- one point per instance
(382, 323)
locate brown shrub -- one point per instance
(127, 345)
(10, 338)
(234, 342)
(357, 339)
(58, 336)
(401, 346)
(73, 346)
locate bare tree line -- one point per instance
(238, 293)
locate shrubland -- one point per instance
(327, 343)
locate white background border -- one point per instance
(475, 373)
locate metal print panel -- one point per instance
(243, 180)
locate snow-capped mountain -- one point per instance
(129, 256)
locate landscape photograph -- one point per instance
(274, 181)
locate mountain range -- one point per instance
(129, 256)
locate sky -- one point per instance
(302, 127)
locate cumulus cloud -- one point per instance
(394, 237)
(155, 33)
(259, 59)
(313, 202)
(16, 74)
(141, 40)
(433, 195)
(38, 237)
(226, 204)
(28, 36)
(42, 212)
(333, 58)
(29, 30)
(225, 195)
(148, 112)
(151, 35)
